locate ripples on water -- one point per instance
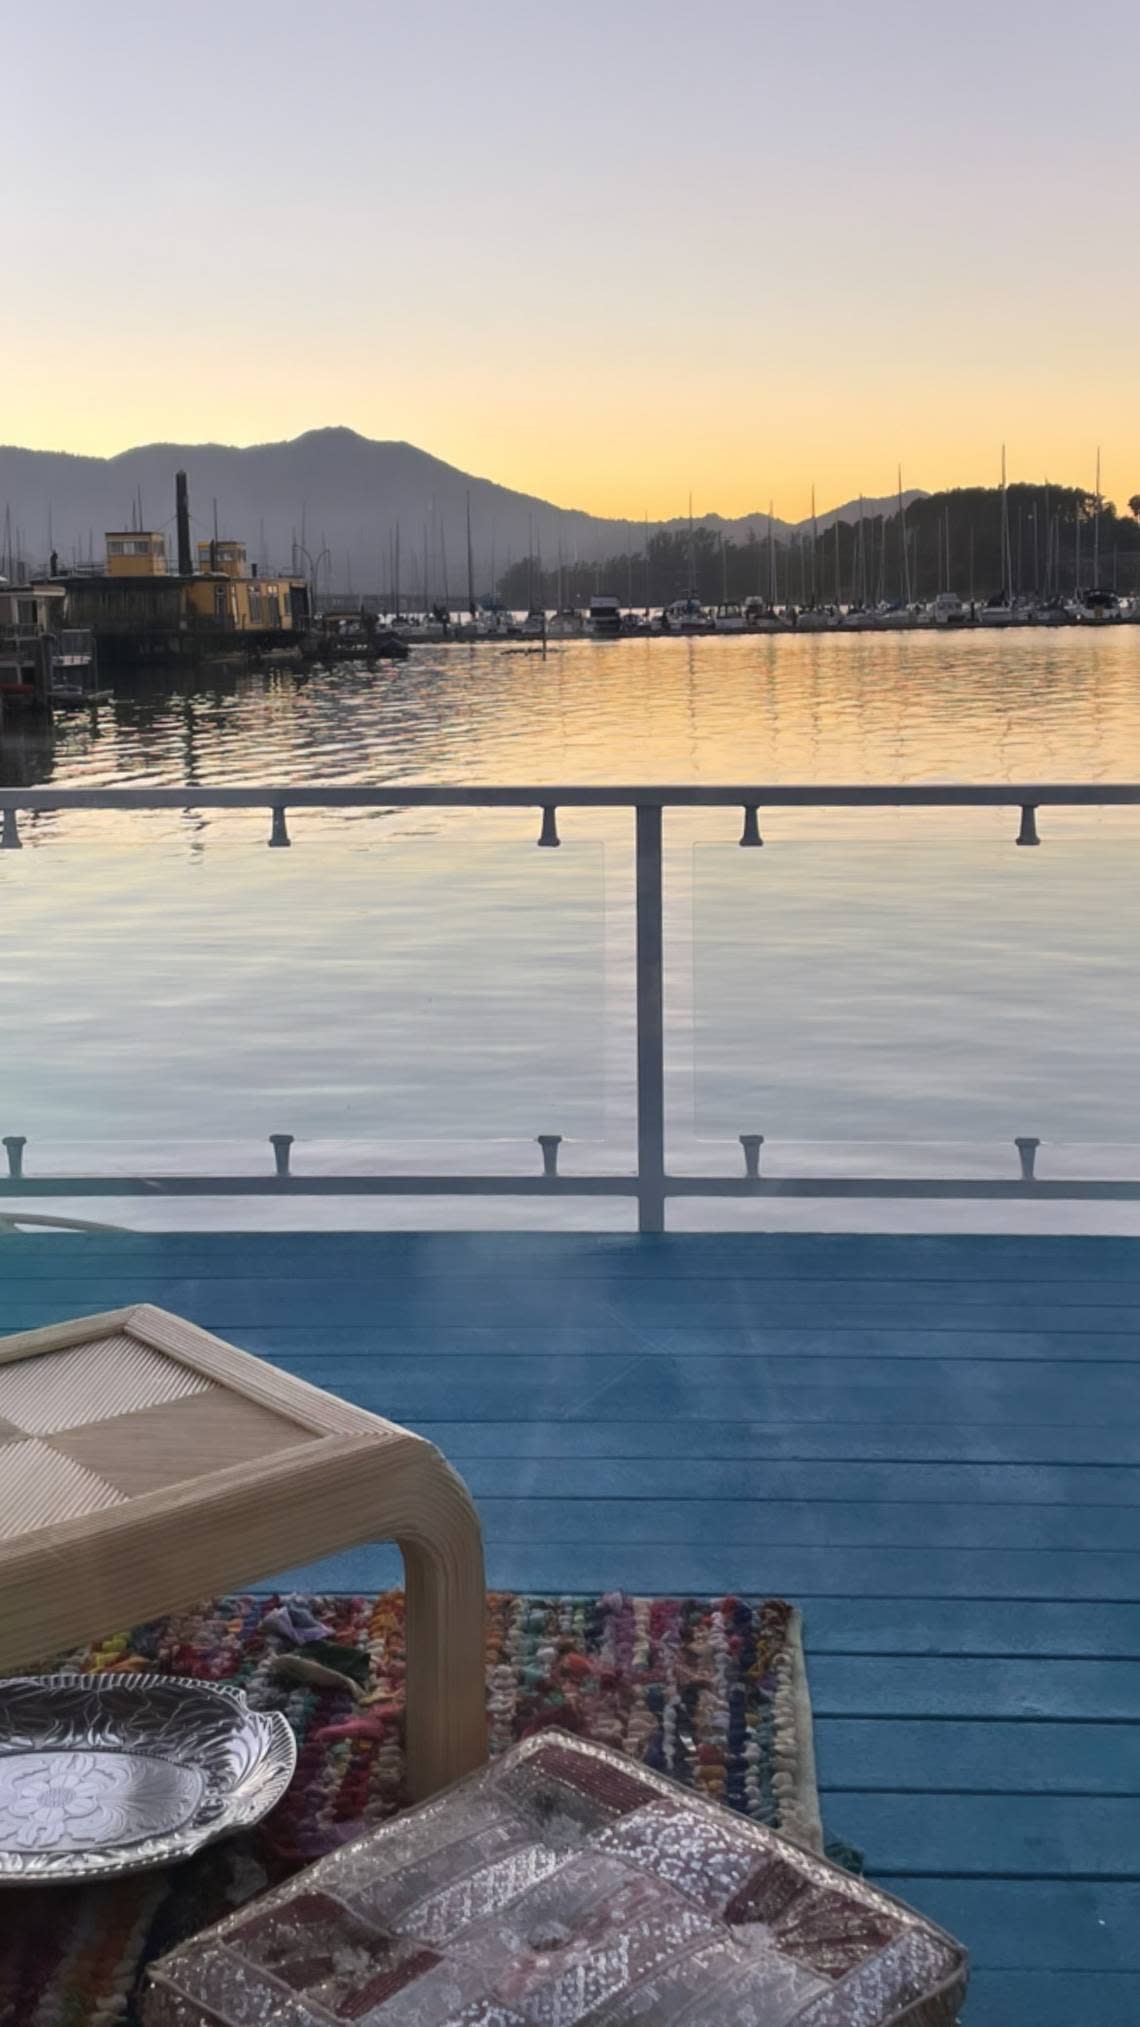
(869, 707)
(424, 986)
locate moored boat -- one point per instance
(685, 615)
(729, 618)
(605, 616)
(566, 624)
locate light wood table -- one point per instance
(146, 1466)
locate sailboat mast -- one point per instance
(905, 549)
(470, 564)
(647, 600)
(1096, 526)
(814, 552)
(771, 557)
(692, 566)
(1007, 552)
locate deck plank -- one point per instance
(1014, 1836)
(973, 1756)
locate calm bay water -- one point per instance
(427, 989)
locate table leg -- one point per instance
(446, 1630)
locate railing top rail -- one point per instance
(562, 795)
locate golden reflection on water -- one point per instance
(1029, 705)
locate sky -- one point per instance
(609, 254)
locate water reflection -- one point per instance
(868, 707)
(203, 993)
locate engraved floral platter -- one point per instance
(106, 1774)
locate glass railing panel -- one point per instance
(172, 999)
(908, 995)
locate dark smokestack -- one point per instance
(182, 511)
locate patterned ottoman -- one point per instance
(564, 1884)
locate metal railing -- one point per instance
(651, 1183)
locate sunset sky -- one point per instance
(607, 254)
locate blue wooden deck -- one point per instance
(933, 1445)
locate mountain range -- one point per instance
(332, 491)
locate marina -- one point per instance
(570, 1087)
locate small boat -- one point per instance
(685, 615)
(760, 617)
(947, 609)
(729, 619)
(494, 622)
(1000, 610)
(1098, 608)
(419, 626)
(605, 616)
(566, 624)
(74, 680)
(534, 626)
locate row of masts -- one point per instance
(869, 575)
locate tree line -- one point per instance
(1036, 542)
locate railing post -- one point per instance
(752, 1143)
(550, 1144)
(650, 1023)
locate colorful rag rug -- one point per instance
(713, 1693)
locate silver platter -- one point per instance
(106, 1774)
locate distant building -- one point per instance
(141, 610)
(29, 615)
(137, 554)
(227, 557)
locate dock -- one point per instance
(932, 1445)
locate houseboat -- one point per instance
(605, 617)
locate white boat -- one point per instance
(494, 622)
(419, 626)
(947, 609)
(605, 616)
(685, 615)
(729, 619)
(1000, 611)
(760, 617)
(534, 626)
(567, 624)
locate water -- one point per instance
(873, 992)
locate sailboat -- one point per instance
(1097, 605)
(686, 615)
(729, 615)
(1000, 610)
